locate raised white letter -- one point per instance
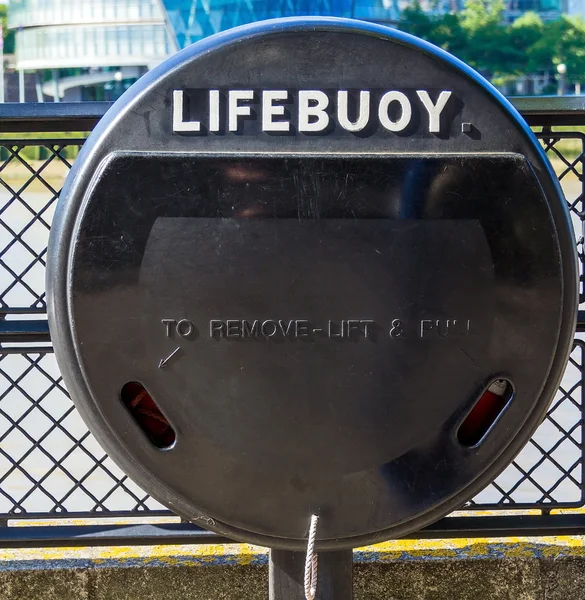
(179, 125)
(363, 111)
(214, 110)
(405, 107)
(235, 110)
(434, 110)
(316, 110)
(269, 110)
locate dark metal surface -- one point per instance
(154, 226)
(286, 575)
(51, 467)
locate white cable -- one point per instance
(311, 562)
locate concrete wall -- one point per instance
(521, 569)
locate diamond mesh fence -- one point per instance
(51, 465)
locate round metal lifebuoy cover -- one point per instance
(312, 266)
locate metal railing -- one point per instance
(52, 468)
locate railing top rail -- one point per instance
(51, 116)
(551, 110)
(83, 116)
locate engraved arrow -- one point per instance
(165, 361)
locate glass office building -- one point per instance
(88, 33)
(191, 20)
(93, 49)
(548, 9)
(88, 49)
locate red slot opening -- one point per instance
(148, 415)
(485, 413)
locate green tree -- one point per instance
(479, 36)
(563, 41)
(482, 15)
(489, 48)
(444, 31)
(417, 22)
(449, 35)
(8, 35)
(525, 33)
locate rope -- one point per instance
(311, 562)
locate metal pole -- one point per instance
(38, 87)
(2, 97)
(287, 574)
(56, 96)
(21, 90)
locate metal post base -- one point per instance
(286, 575)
